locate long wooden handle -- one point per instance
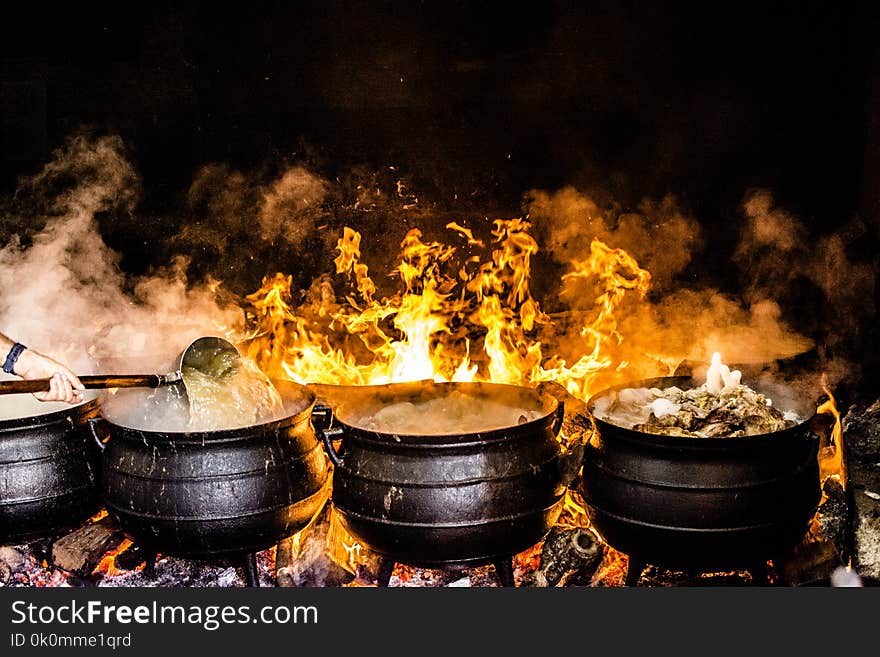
(97, 381)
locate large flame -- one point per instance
(466, 313)
(452, 317)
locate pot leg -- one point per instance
(504, 570)
(249, 565)
(759, 574)
(386, 567)
(150, 557)
(634, 571)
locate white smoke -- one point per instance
(62, 291)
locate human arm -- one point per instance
(31, 364)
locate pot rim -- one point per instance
(77, 411)
(618, 432)
(461, 440)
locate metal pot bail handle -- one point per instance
(327, 436)
(560, 416)
(321, 417)
(92, 421)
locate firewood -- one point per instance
(809, 561)
(304, 560)
(566, 552)
(81, 550)
(283, 560)
(577, 424)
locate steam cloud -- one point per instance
(780, 256)
(659, 234)
(775, 255)
(61, 287)
(63, 291)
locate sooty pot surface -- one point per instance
(214, 493)
(431, 499)
(48, 471)
(716, 502)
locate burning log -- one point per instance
(577, 426)
(81, 550)
(810, 561)
(566, 554)
(304, 559)
(134, 556)
(283, 560)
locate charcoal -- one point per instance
(12, 561)
(176, 572)
(655, 576)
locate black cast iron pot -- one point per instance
(215, 493)
(435, 500)
(48, 473)
(701, 503)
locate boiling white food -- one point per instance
(453, 413)
(243, 398)
(721, 407)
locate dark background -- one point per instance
(701, 99)
(477, 102)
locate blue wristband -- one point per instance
(14, 353)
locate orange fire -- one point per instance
(463, 313)
(453, 316)
(107, 565)
(98, 516)
(457, 313)
(831, 463)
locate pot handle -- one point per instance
(560, 416)
(92, 422)
(321, 417)
(327, 436)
